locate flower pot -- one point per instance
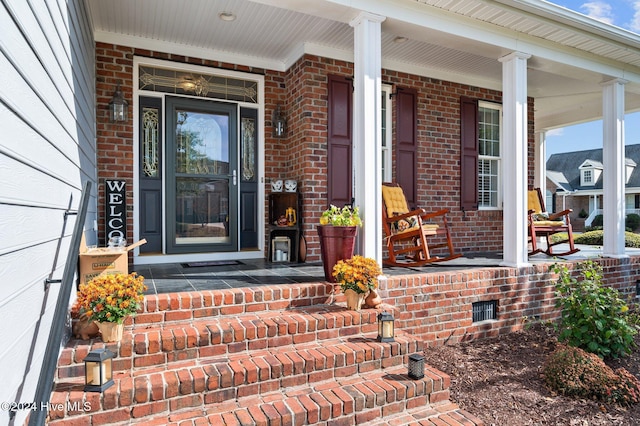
(111, 331)
(336, 243)
(354, 299)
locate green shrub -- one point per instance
(583, 214)
(597, 221)
(559, 237)
(594, 238)
(573, 372)
(593, 317)
(631, 240)
(593, 228)
(632, 221)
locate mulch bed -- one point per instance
(500, 381)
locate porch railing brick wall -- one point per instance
(437, 308)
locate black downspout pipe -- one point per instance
(50, 361)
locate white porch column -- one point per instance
(614, 168)
(540, 170)
(514, 158)
(367, 130)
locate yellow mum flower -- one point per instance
(111, 298)
(358, 273)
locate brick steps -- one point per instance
(251, 372)
(218, 336)
(276, 356)
(350, 400)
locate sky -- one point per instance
(624, 14)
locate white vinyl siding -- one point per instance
(489, 151)
(47, 151)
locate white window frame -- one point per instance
(586, 176)
(628, 171)
(387, 133)
(496, 159)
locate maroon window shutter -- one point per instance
(339, 140)
(406, 143)
(468, 154)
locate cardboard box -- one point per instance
(94, 262)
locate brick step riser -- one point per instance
(446, 413)
(197, 305)
(359, 400)
(157, 347)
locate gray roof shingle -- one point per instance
(567, 164)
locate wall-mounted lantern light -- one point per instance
(98, 370)
(279, 123)
(118, 107)
(416, 366)
(385, 327)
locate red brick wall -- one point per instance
(438, 155)
(307, 93)
(302, 92)
(114, 64)
(437, 307)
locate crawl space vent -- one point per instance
(483, 311)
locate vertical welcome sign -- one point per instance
(115, 205)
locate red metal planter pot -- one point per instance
(336, 243)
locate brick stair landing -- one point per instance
(264, 356)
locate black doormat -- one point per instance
(211, 263)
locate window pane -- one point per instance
(386, 141)
(488, 183)
(248, 131)
(150, 142)
(489, 132)
(200, 147)
(202, 208)
(204, 85)
(383, 103)
(489, 152)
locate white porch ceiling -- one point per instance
(453, 40)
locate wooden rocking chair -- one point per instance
(407, 231)
(543, 224)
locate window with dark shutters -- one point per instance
(339, 140)
(468, 154)
(407, 142)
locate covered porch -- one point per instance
(421, 63)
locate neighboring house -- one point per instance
(575, 181)
(450, 99)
